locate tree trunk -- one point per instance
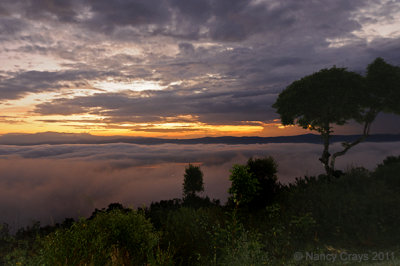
(325, 154)
(370, 117)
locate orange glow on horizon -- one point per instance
(167, 130)
(18, 116)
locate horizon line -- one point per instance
(54, 138)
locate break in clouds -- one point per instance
(52, 182)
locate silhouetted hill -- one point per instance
(65, 138)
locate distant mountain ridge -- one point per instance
(53, 138)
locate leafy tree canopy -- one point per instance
(244, 186)
(264, 170)
(321, 99)
(335, 96)
(383, 81)
(193, 181)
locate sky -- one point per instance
(178, 68)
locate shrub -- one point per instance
(114, 237)
(246, 249)
(264, 170)
(186, 231)
(359, 208)
(244, 186)
(389, 171)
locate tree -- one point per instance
(244, 186)
(255, 184)
(193, 181)
(319, 101)
(381, 94)
(383, 82)
(264, 170)
(335, 96)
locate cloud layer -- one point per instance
(51, 182)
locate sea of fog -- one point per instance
(50, 182)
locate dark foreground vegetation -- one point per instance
(263, 223)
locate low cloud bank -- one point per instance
(51, 182)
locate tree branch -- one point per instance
(370, 117)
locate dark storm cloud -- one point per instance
(208, 105)
(110, 14)
(9, 26)
(221, 20)
(3, 11)
(386, 48)
(30, 81)
(63, 10)
(218, 20)
(186, 48)
(224, 20)
(236, 20)
(17, 85)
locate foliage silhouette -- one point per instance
(334, 97)
(254, 185)
(264, 170)
(383, 82)
(193, 181)
(114, 237)
(381, 94)
(244, 187)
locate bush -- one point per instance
(186, 231)
(246, 249)
(264, 169)
(158, 211)
(245, 185)
(359, 208)
(389, 171)
(233, 244)
(116, 237)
